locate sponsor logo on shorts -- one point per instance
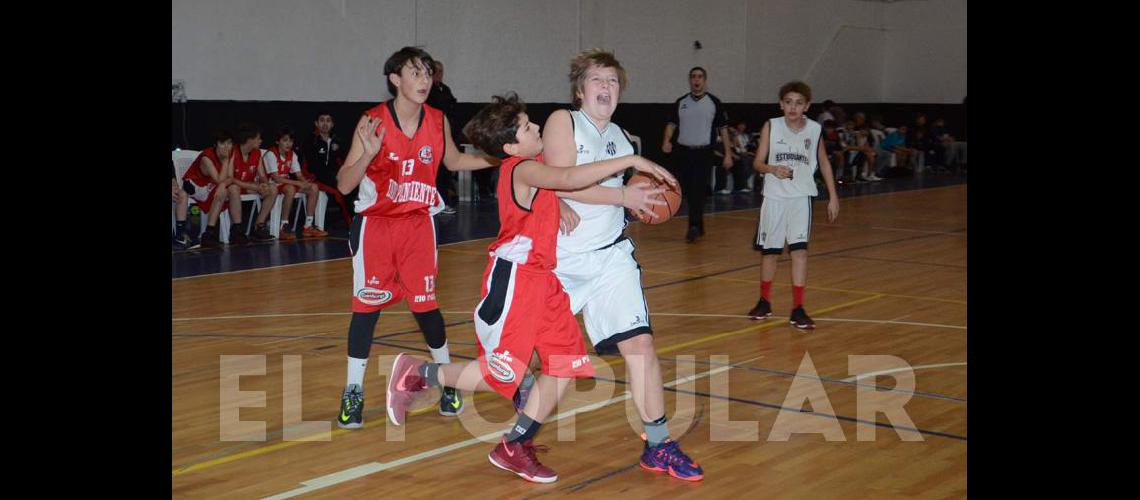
(373, 297)
(425, 154)
(577, 363)
(423, 298)
(499, 365)
(373, 281)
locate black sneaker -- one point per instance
(351, 408)
(451, 403)
(800, 319)
(261, 233)
(237, 237)
(210, 238)
(184, 243)
(763, 310)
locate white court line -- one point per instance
(305, 263)
(313, 336)
(903, 369)
(951, 233)
(252, 316)
(258, 269)
(295, 315)
(683, 315)
(879, 321)
(493, 237)
(374, 467)
(891, 322)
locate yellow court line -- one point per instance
(826, 289)
(485, 395)
(762, 326)
(287, 444)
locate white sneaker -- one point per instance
(724, 191)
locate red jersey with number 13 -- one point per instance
(400, 181)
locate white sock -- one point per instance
(308, 221)
(356, 369)
(441, 355)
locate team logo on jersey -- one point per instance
(611, 149)
(392, 156)
(582, 150)
(499, 364)
(425, 154)
(373, 297)
(807, 143)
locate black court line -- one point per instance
(665, 358)
(414, 330)
(895, 261)
(833, 252)
(820, 378)
(748, 402)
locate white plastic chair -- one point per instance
(276, 216)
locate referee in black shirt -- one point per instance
(697, 117)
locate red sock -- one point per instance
(797, 296)
(766, 290)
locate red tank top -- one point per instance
(196, 175)
(400, 181)
(526, 237)
(246, 170)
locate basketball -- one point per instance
(671, 196)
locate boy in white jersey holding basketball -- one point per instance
(595, 260)
(790, 152)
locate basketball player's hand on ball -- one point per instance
(641, 197)
(644, 165)
(783, 172)
(832, 210)
(569, 218)
(370, 137)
